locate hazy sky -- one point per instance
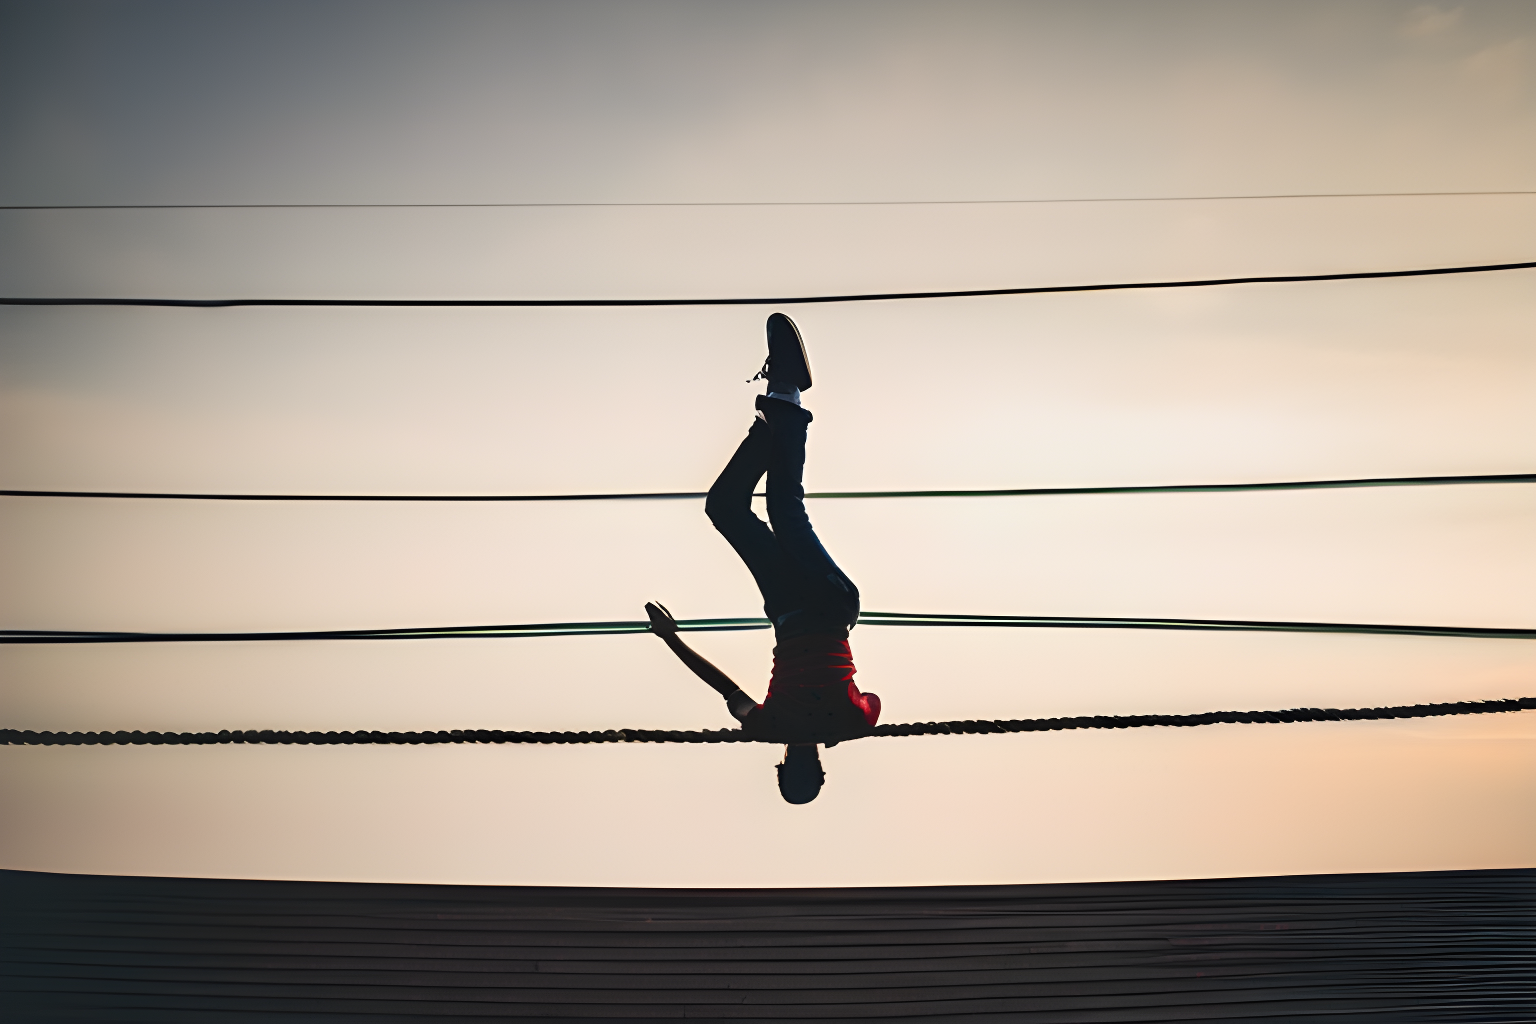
(692, 102)
(937, 106)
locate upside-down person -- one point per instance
(810, 601)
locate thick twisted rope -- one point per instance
(611, 628)
(28, 737)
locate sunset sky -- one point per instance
(653, 149)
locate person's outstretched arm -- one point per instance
(664, 626)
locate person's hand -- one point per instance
(662, 621)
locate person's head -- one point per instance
(800, 776)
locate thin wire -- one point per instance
(1205, 625)
(620, 627)
(28, 737)
(1287, 485)
(791, 300)
(834, 202)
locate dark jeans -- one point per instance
(803, 589)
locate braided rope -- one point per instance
(46, 636)
(27, 737)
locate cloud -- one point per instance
(1500, 67)
(1428, 20)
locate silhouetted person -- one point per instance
(810, 601)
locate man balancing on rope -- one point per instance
(811, 695)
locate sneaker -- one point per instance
(787, 366)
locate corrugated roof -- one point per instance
(1401, 947)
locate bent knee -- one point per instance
(724, 509)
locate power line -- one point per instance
(620, 627)
(28, 737)
(792, 300)
(724, 205)
(1285, 485)
(609, 628)
(1203, 625)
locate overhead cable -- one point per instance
(28, 737)
(1205, 625)
(1284, 485)
(727, 204)
(788, 300)
(619, 627)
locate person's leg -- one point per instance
(729, 507)
(822, 589)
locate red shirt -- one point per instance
(811, 695)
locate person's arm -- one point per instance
(664, 626)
